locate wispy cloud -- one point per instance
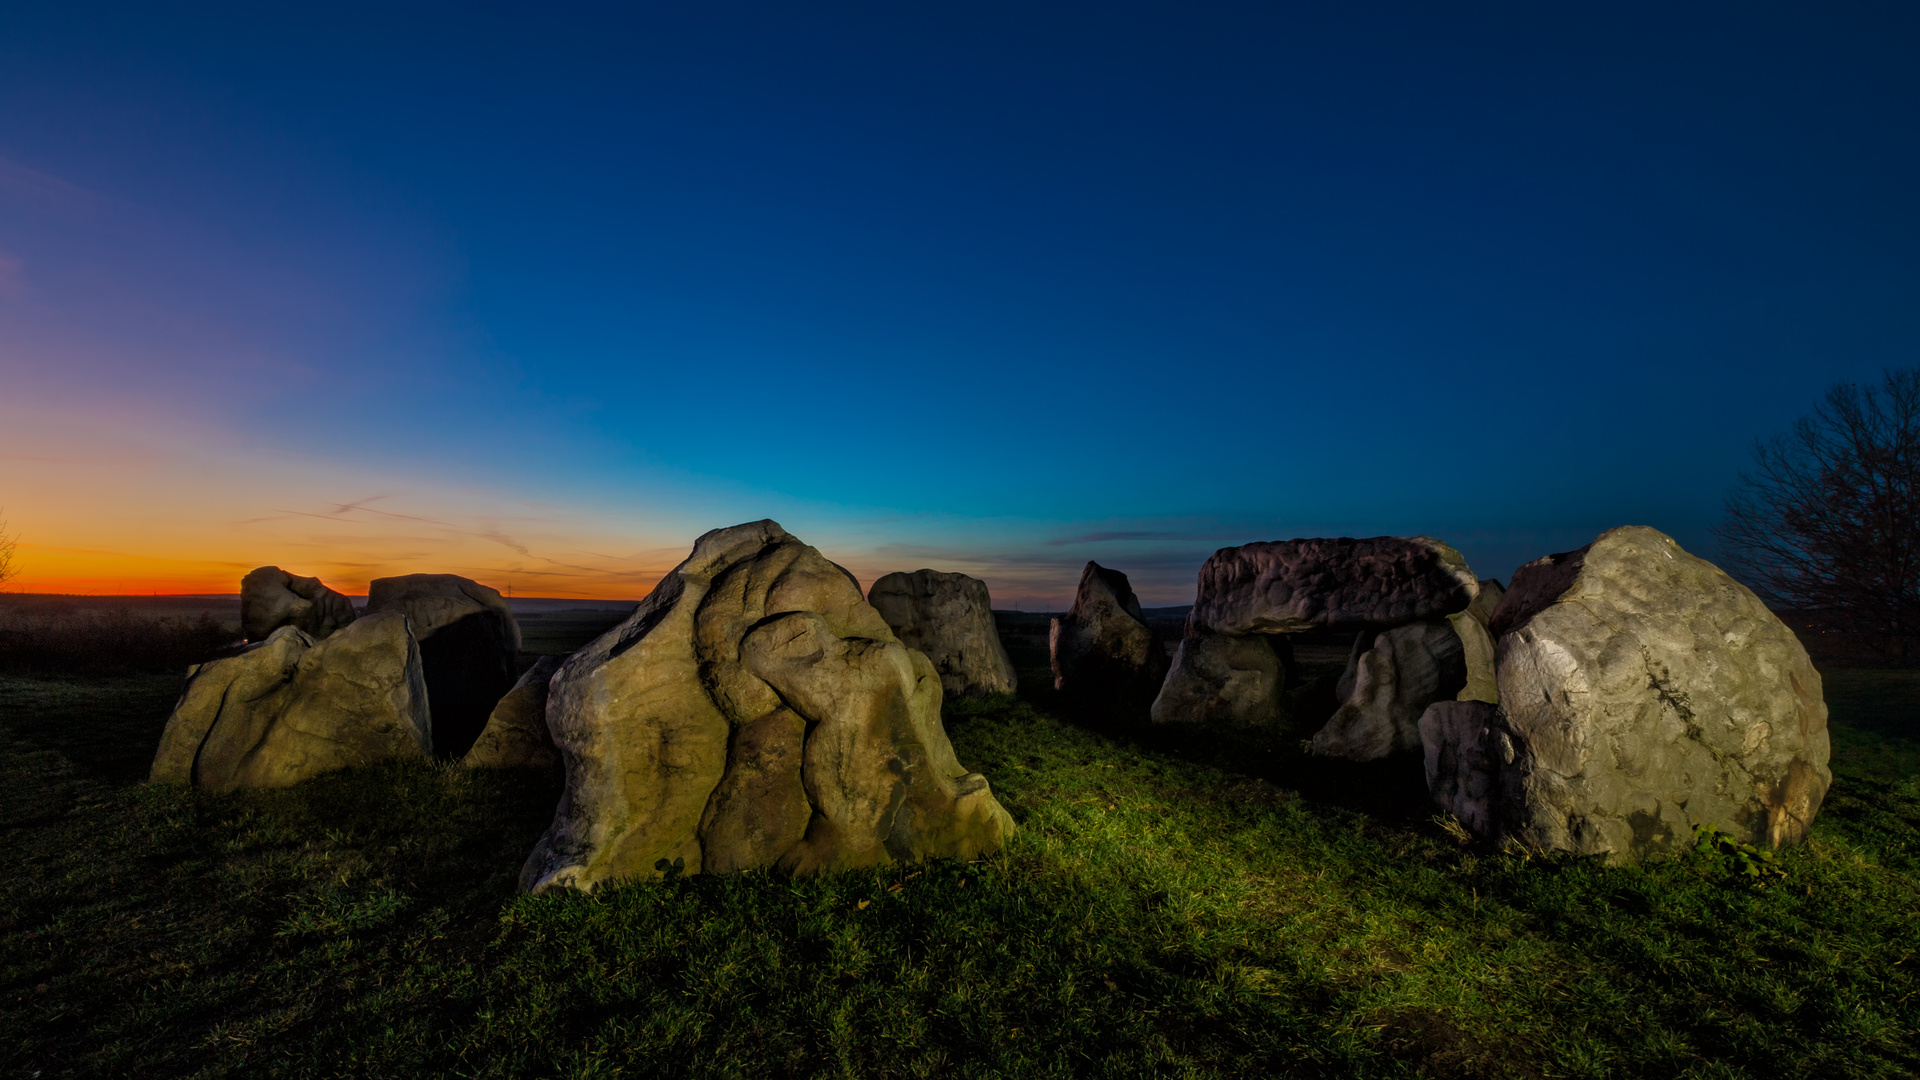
(41, 191)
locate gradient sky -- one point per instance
(539, 297)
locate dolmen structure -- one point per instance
(949, 617)
(1607, 703)
(317, 689)
(754, 711)
(1107, 663)
(1406, 599)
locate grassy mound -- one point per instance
(1180, 906)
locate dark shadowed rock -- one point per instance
(271, 598)
(949, 617)
(1287, 586)
(469, 645)
(1643, 693)
(1387, 686)
(1106, 660)
(516, 735)
(1472, 771)
(754, 711)
(1240, 679)
(289, 709)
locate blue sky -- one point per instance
(987, 287)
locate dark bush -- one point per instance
(50, 642)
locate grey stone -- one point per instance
(289, 709)
(1644, 693)
(469, 649)
(754, 711)
(1106, 661)
(1477, 654)
(1287, 586)
(271, 598)
(1386, 688)
(1238, 679)
(949, 617)
(516, 735)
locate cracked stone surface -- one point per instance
(949, 617)
(754, 711)
(1643, 692)
(271, 598)
(1106, 661)
(289, 709)
(1288, 586)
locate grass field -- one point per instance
(1176, 908)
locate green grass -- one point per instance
(1176, 908)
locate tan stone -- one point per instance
(754, 711)
(290, 709)
(949, 617)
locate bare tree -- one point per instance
(1828, 520)
(8, 568)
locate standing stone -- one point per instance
(289, 709)
(1643, 692)
(949, 617)
(516, 735)
(1387, 687)
(1106, 660)
(1477, 655)
(469, 649)
(271, 598)
(1287, 586)
(754, 711)
(1239, 679)
(1471, 763)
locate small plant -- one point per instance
(1755, 865)
(670, 871)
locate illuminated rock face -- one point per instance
(289, 709)
(469, 648)
(754, 711)
(516, 735)
(949, 617)
(271, 598)
(1643, 692)
(1106, 661)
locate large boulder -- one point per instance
(1237, 678)
(516, 735)
(271, 598)
(1387, 685)
(469, 648)
(1287, 586)
(1106, 660)
(949, 617)
(754, 711)
(290, 708)
(1643, 693)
